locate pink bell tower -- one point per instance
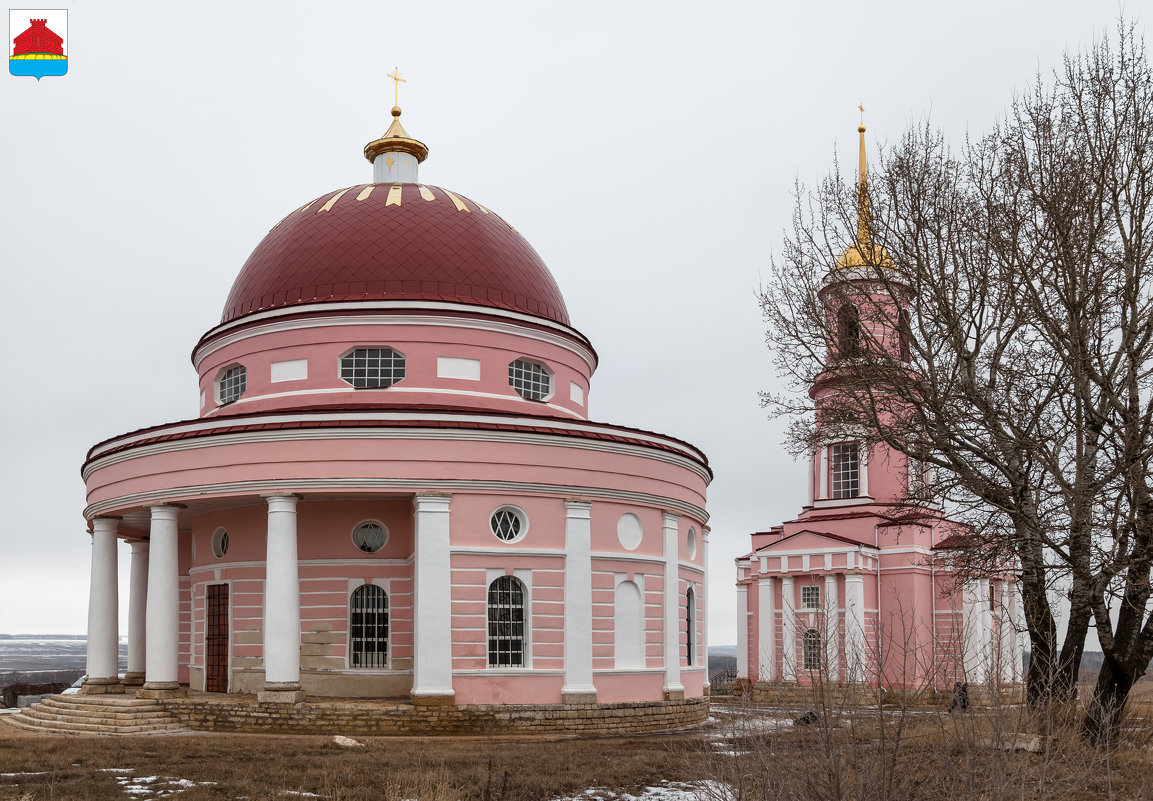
(859, 588)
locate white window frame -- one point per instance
(548, 396)
(814, 592)
(350, 351)
(370, 522)
(219, 380)
(525, 578)
(519, 513)
(353, 586)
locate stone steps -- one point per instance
(95, 715)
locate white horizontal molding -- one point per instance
(243, 328)
(199, 492)
(394, 389)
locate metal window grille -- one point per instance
(370, 537)
(219, 543)
(846, 470)
(848, 331)
(372, 368)
(506, 523)
(368, 627)
(811, 647)
(530, 380)
(811, 597)
(233, 384)
(506, 623)
(690, 608)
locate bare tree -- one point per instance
(1015, 277)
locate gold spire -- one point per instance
(855, 256)
(396, 139)
(862, 187)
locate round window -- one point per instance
(629, 531)
(219, 543)
(508, 523)
(370, 536)
(691, 543)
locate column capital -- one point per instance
(669, 517)
(139, 546)
(431, 501)
(105, 524)
(578, 508)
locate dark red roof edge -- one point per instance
(545, 426)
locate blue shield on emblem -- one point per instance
(38, 42)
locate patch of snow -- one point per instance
(666, 791)
(115, 770)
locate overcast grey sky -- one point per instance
(646, 149)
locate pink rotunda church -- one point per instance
(860, 588)
(393, 488)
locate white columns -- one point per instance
(281, 604)
(673, 687)
(103, 640)
(832, 628)
(705, 604)
(976, 622)
(742, 631)
(137, 621)
(1006, 632)
(578, 605)
(432, 602)
(766, 630)
(162, 616)
(855, 627)
(788, 630)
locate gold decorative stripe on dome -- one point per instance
(459, 203)
(332, 201)
(393, 196)
(425, 192)
(364, 193)
(482, 208)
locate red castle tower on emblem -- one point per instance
(37, 51)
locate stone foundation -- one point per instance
(369, 718)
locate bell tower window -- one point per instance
(845, 470)
(532, 381)
(372, 368)
(231, 384)
(848, 331)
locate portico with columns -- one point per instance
(393, 488)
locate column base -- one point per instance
(162, 689)
(133, 680)
(280, 696)
(579, 695)
(434, 699)
(106, 686)
(674, 693)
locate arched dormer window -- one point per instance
(848, 331)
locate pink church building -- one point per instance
(393, 488)
(857, 589)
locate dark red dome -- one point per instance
(397, 242)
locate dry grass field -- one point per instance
(745, 754)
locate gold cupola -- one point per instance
(395, 155)
(863, 252)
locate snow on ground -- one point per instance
(149, 787)
(666, 791)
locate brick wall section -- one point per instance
(368, 718)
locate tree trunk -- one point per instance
(1102, 725)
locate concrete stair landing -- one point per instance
(94, 714)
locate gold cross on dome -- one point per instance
(395, 75)
(862, 108)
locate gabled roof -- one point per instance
(822, 534)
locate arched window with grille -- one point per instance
(506, 616)
(811, 649)
(690, 624)
(368, 627)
